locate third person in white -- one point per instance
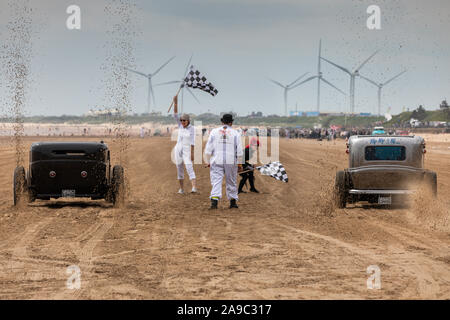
(223, 153)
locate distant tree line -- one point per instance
(419, 114)
(446, 108)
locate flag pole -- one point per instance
(250, 170)
(179, 89)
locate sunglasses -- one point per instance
(183, 120)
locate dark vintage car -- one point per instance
(69, 169)
(383, 170)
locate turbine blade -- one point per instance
(329, 83)
(304, 81)
(277, 83)
(152, 94)
(290, 84)
(189, 90)
(149, 95)
(367, 60)
(159, 69)
(169, 82)
(337, 66)
(319, 57)
(395, 77)
(187, 66)
(371, 81)
(320, 47)
(140, 73)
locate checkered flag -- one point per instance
(195, 80)
(275, 170)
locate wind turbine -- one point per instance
(381, 85)
(286, 89)
(184, 87)
(353, 74)
(319, 77)
(151, 94)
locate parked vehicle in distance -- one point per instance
(401, 133)
(383, 169)
(378, 131)
(69, 169)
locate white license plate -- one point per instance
(68, 193)
(384, 200)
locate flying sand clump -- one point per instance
(16, 61)
(119, 47)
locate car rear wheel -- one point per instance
(340, 190)
(19, 184)
(118, 186)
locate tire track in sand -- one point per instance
(424, 264)
(85, 258)
(19, 255)
(411, 263)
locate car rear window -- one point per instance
(386, 153)
(70, 152)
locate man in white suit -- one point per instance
(223, 153)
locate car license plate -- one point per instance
(384, 200)
(68, 193)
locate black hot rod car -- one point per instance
(69, 169)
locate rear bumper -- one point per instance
(378, 192)
(59, 195)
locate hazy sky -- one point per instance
(239, 44)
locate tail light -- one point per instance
(83, 174)
(52, 174)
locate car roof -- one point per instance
(385, 139)
(383, 135)
(87, 146)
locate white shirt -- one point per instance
(224, 145)
(186, 137)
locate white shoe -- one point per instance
(194, 190)
(181, 191)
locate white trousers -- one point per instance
(182, 159)
(189, 169)
(217, 171)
